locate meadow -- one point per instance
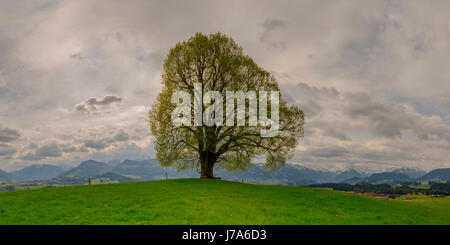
(203, 201)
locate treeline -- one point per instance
(400, 189)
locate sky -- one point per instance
(77, 78)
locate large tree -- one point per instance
(217, 63)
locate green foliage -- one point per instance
(186, 201)
(219, 64)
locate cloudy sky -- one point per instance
(77, 77)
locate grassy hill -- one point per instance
(200, 201)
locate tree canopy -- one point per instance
(217, 63)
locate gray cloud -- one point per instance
(329, 152)
(49, 150)
(2, 80)
(269, 26)
(335, 112)
(445, 102)
(107, 100)
(30, 157)
(390, 120)
(98, 144)
(7, 151)
(68, 148)
(122, 136)
(103, 143)
(94, 104)
(331, 132)
(8, 134)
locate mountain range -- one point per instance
(437, 175)
(86, 169)
(36, 172)
(143, 170)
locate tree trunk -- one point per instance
(207, 161)
(207, 171)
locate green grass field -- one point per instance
(200, 201)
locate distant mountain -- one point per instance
(86, 169)
(115, 177)
(412, 173)
(347, 175)
(114, 162)
(36, 172)
(144, 170)
(378, 178)
(132, 170)
(287, 175)
(387, 177)
(353, 180)
(441, 174)
(4, 176)
(149, 170)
